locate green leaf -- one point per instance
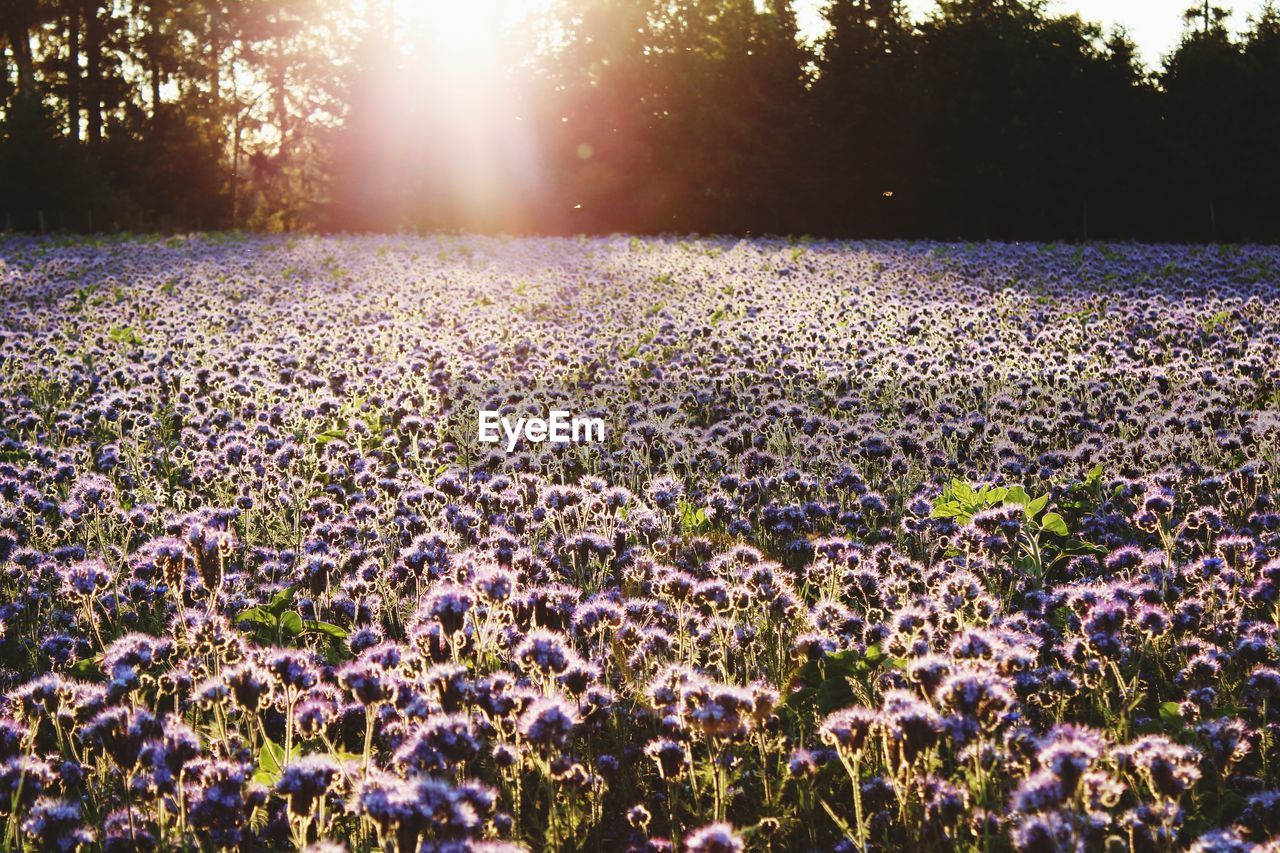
(1055, 524)
(271, 757)
(1233, 803)
(291, 623)
(828, 682)
(1075, 547)
(839, 821)
(124, 335)
(280, 601)
(801, 698)
(1017, 495)
(272, 761)
(841, 664)
(964, 492)
(1171, 713)
(951, 509)
(693, 518)
(834, 694)
(1036, 506)
(257, 616)
(335, 652)
(317, 627)
(87, 669)
(329, 435)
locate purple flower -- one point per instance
(549, 722)
(714, 838)
(850, 729)
(87, 579)
(305, 780)
(57, 825)
(1170, 770)
(440, 743)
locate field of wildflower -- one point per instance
(888, 546)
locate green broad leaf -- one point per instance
(272, 761)
(1233, 803)
(1171, 714)
(1076, 547)
(280, 601)
(88, 669)
(291, 623)
(964, 492)
(1037, 506)
(335, 652)
(692, 518)
(834, 694)
(1017, 495)
(331, 435)
(1055, 524)
(257, 616)
(316, 627)
(801, 698)
(841, 664)
(271, 758)
(950, 509)
(124, 335)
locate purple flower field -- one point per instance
(895, 546)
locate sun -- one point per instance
(465, 119)
(469, 31)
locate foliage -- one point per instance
(980, 120)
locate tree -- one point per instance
(1204, 80)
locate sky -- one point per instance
(1154, 25)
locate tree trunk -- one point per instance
(215, 66)
(93, 72)
(155, 88)
(153, 43)
(282, 114)
(235, 174)
(73, 72)
(20, 45)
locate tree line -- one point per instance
(989, 119)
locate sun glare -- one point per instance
(466, 30)
(464, 114)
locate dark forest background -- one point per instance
(991, 119)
